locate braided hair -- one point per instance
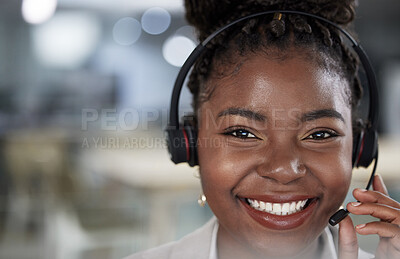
(264, 33)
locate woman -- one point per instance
(276, 96)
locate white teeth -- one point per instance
(262, 205)
(292, 206)
(298, 205)
(268, 206)
(285, 208)
(256, 204)
(278, 208)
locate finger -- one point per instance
(348, 244)
(381, 211)
(365, 196)
(383, 229)
(379, 185)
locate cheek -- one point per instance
(335, 169)
(334, 172)
(221, 170)
(217, 172)
(216, 179)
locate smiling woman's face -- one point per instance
(275, 154)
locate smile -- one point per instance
(286, 208)
(280, 213)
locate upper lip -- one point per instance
(280, 198)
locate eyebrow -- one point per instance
(309, 116)
(242, 112)
(318, 114)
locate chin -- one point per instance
(283, 249)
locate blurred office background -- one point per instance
(84, 94)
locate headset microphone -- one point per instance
(342, 213)
(182, 138)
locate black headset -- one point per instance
(182, 138)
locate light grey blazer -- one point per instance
(197, 245)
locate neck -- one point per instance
(230, 248)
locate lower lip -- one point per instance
(280, 222)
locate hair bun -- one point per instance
(208, 15)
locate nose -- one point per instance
(282, 164)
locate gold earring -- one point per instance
(202, 200)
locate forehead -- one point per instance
(261, 83)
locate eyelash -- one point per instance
(327, 134)
(243, 134)
(240, 133)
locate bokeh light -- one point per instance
(176, 49)
(67, 40)
(38, 11)
(127, 31)
(156, 20)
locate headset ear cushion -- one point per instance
(191, 132)
(357, 146)
(178, 144)
(368, 148)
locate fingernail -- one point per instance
(360, 226)
(355, 204)
(361, 190)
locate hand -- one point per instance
(348, 244)
(378, 204)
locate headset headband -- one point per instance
(373, 109)
(182, 139)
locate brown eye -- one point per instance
(241, 133)
(322, 135)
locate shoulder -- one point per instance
(196, 245)
(335, 234)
